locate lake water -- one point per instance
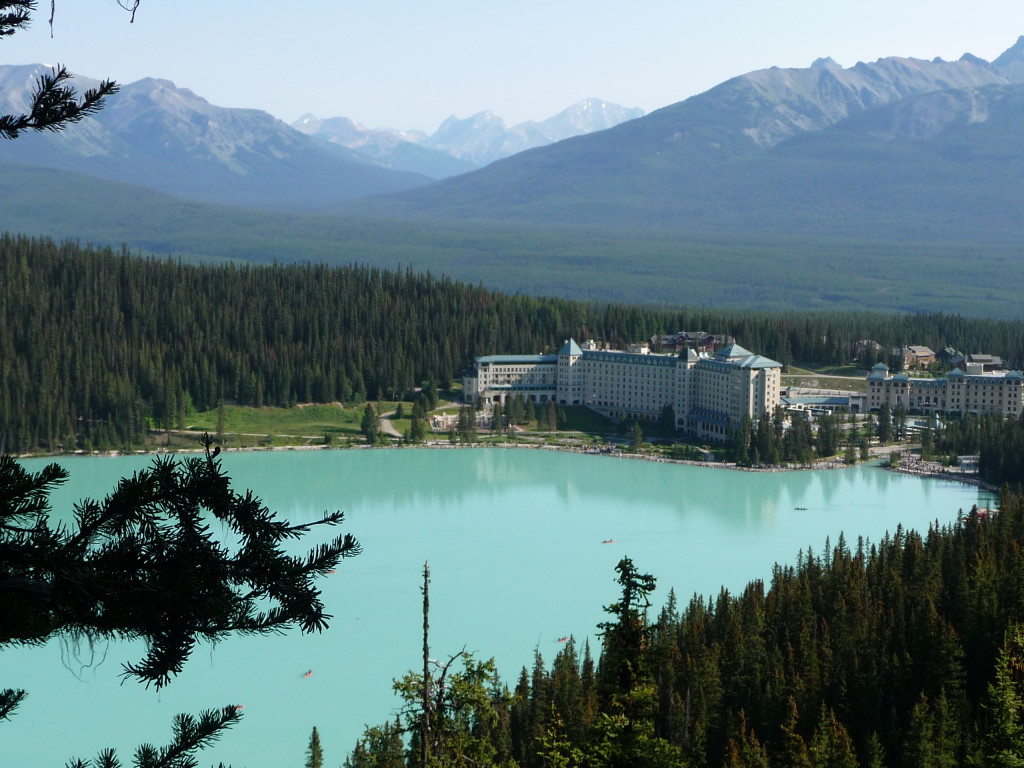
(514, 540)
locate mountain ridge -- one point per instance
(645, 170)
(154, 134)
(475, 141)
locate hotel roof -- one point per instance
(516, 359)
(570, 348)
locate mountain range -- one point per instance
(156, 135)
(462, 145)
(168, 139)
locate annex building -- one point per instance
(707, 392)
(972, 391)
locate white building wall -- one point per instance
(718, 391)
(994, 392)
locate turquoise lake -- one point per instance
(514, 541)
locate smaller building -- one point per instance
(863, 347)
(915, 356)
(985, 362)
(700, 341)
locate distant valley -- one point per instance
(895, 184)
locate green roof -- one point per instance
(570, 348)
(734, 350)
(516, 359)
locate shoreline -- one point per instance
(445, 445)
(909, 466)
(936, 471)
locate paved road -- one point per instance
(387, 426)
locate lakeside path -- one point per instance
(386, 425)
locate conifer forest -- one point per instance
(98, 346)
(907, 653)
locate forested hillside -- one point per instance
(96, 345)
(906, 653)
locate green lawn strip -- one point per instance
(811, 381)
(825, 369)
(298, 421)
(580, 419)
(267, 427)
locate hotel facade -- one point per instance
(708, 393)
(972, 391)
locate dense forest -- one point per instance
(998, 443)
(96, 346)
(908, 653)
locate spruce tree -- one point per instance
(636, 443)
(314, 752)
(885, 431)
(221, 421)
(551, 416)
(1003, 738)
(830, 745)
(370, 424)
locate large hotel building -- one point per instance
(707, 393)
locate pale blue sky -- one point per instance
(412, 64)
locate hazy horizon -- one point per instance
(407, 66)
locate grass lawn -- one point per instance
(826, 370)
(577, 419)
(580, 419)
(287, 426)
(816, 376)
(812, 381)
(246, 427)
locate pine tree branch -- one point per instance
(55, 105)
(15, 15)
(146, 563)
(10, 698)
(190, 735)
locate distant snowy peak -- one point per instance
(386, 147)
(481, 120)
(473, 141)
(478, 138)
(483, 137)
(586, 117)
(342, 130)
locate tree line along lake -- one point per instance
(522, 546)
